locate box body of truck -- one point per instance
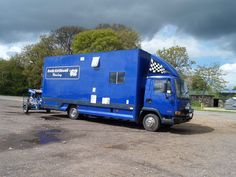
(109, 84)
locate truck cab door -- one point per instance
(160, 96)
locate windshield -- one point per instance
(181, 89)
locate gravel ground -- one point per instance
(41, 144)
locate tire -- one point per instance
(25, 108)
(73, 113)
(48, 110)
(151, 122)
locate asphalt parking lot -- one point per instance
(41, 144)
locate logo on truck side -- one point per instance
(62, 72)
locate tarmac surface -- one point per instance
(42, 144)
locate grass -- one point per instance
(213, 109)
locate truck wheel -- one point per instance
(151, 122)
(25, 108)
(73, 112)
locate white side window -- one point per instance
(95, 62)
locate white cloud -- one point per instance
(7, 50)
(230, 71)
(3, 51)
(10, 49)
(170, 35)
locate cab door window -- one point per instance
(161, 86)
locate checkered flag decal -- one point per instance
(156, 67)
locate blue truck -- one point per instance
(129, 85)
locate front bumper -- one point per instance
(185, 117)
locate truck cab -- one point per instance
(166, 100)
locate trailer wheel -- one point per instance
(73, 112)
(25, 108)
(151, 122)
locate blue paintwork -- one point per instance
(60, 88)
(161, 100)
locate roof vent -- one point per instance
(95, 62)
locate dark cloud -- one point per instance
(207, 19)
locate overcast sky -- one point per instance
(206, 27)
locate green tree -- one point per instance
(63, 37)
(33, 56)
(96, 41)
(12, 80)
(234, 88)
(209, 78)
(129, 38)
(178, 57)
(199, 84)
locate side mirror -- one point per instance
(167, 88)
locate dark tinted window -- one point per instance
(121, 78)
(112, 77)
(181, 89)
(161, 86)
(117, 77)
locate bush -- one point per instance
(196, 104)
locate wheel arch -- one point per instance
(146, 111)
(71, 105)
